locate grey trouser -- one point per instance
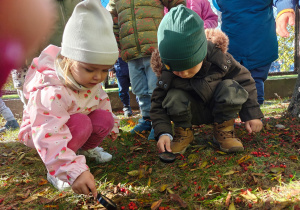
(5, 111)
(186, 110)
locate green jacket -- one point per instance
(136, 23)
(218, 65)
(64, 10)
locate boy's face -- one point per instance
(89, 75)
(189, 73)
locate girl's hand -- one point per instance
(113, 136)
(253, 125)
(84, 184)
(164, 142)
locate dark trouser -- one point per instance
(186, 110)
(260, 75)
(122, 74)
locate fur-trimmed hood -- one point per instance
(216, 36)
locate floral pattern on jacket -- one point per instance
(50, 104)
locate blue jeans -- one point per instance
(260, 75)
(122, 74)
(143, 81)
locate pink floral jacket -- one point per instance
(50, 104)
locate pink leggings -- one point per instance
(88, 131)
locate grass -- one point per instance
(266, 175)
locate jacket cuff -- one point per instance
(284, 11)
(251, 113)
(284, 4)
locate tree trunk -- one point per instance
(294, 107)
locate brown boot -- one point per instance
(224, 135)
(182, 139)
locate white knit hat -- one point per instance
(88, 36)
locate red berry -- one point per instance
(250, 205)
(122, 207)
(195, 195)
(149, 194)
(291, 175)
(195, 183)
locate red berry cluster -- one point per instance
(260, 154)
(132, 205)
(163, 208)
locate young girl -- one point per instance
(67, 110)
(203, 9)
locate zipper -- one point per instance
(134, 26)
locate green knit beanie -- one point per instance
(181, 39)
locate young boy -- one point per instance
(199, 83)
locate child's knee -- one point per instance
(80, 126)
(102, 120)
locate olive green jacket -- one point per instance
(136, 23)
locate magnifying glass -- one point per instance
(167, 157)
(106, 202)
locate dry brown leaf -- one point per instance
(228, 199)
(257, 174)
(293, 157)
(156, 204)
(177, 198)
(43, 182)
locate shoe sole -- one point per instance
(231, 150)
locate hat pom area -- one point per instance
(88, 36)
(181, 38)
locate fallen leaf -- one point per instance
(231, 206)
(170, 191)
(230, 172)
(156, 204)
(43, 182)
(228, 199)
(22, 155)
(141, 172)
(163, 187)
(149, 182)
(203, 164)
(177, 198)
(277, 170)
(293, 157)
(182, 165)
(249, 196)
(133, 173)
(192, 158)
(222, 153)
(268, 127)
(243, 159)
(257, 174)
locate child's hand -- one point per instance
(282, 21)
(84, 184)
(164, 142)
(253, 125)
(113, 136)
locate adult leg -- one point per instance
(11, 122)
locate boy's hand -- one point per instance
(253, 125)
(164, 142)
(282, 21)
(84, 184)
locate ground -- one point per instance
(265, 176)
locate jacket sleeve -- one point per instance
(160, 120)
(172, 3)
(106, 105)
(111, 7)
(48, 117)
(206, 13)
(284, 4)
(250, 109)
